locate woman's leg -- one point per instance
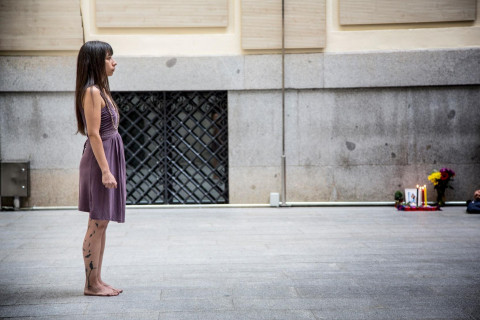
(104, 238)
(92, 246)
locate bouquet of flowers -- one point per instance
(441, 181)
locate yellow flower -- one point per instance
(434, 177)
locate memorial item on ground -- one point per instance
(441, 182)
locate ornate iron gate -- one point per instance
(176, 146)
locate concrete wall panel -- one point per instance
(409, 68)
(182, 73)
(250, 185)
(310, 183)
(37, 74)
(301, 71)
(355, 144)
(381, 139)
(40, 127)
(354, 127)
(254, 128)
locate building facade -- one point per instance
(377, 95)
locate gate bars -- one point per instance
(176, 146)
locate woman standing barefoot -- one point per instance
(102, 168)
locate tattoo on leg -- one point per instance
(88, 277)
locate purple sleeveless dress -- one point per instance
(100, 202)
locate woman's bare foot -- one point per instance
(100, 291)
(109, 286)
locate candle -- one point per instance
(425, 194)
(420, 196)
(417, 195)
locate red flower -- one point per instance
(444, 175)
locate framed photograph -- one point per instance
(411, 196)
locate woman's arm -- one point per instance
(92, 106)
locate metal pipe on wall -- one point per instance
(284, 160)
(255, 205)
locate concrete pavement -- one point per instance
(247, 263)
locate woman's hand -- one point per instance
(108, 180)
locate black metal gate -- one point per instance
(176, 146)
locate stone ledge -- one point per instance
(403, 69)
(254, 72)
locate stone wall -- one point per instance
(40, 127)
(359, 126)
(359, 144)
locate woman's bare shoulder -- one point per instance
(93, 93)
(92, 90)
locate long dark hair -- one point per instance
(90, 71)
